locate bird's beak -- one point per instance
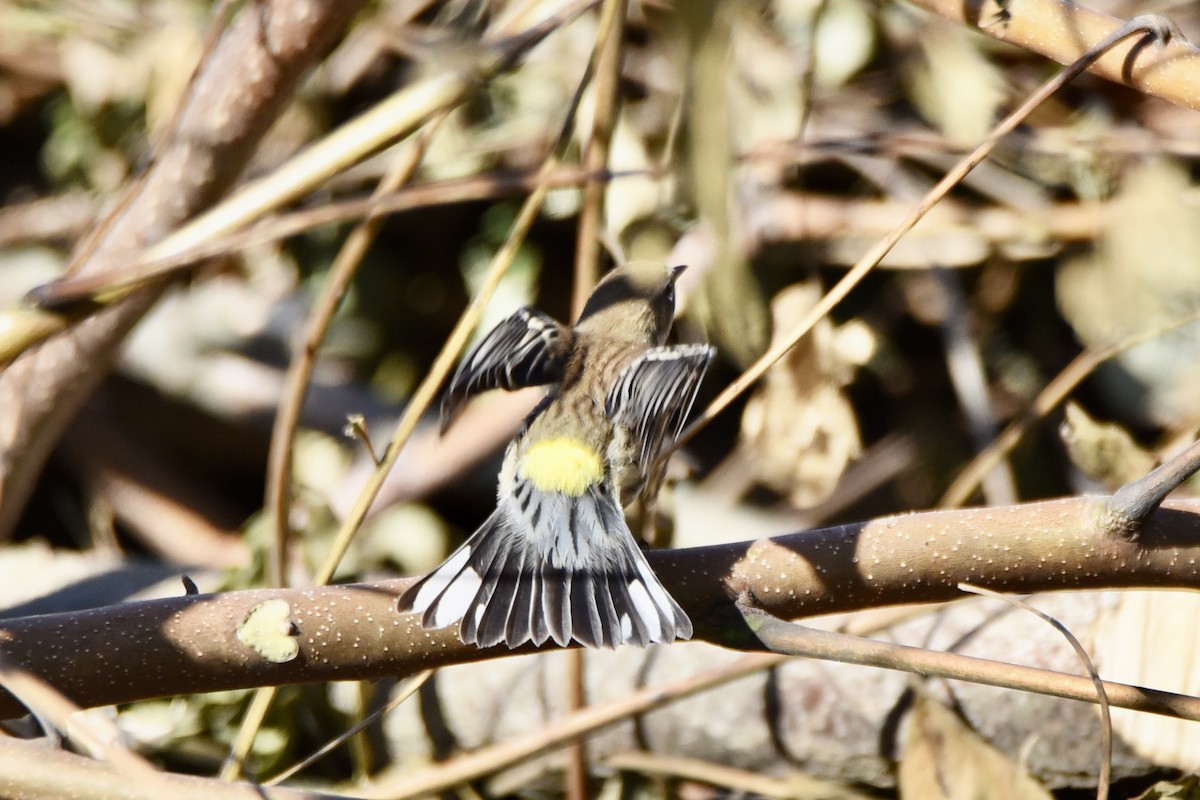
(677, 271)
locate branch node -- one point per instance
(1127, 510)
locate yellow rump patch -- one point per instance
(561, 465)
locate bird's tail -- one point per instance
(517, 579)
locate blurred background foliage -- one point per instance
(825, 122)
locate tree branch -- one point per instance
(1063, 31)
(190, 643)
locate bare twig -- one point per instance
(1145, 25)
(74, 292)
(795, 785)
(29, 770)
(1047, 399)
(356, 426)
(793, 639)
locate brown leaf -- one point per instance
(1103, 451)
(800, 428)
(946, 759)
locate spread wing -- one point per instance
(527, 349)
(654, 394)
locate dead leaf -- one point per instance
(800, 428)
(953, 84)
(1144, 272)
(844, 37)
(1187, 788)
(1103, 451)
(945, 759)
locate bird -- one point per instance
(556, 560)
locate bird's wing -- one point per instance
(654, 394)
(527, 349)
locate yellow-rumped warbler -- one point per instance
(556, 560)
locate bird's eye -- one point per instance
(670, 295)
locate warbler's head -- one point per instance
(635, 302)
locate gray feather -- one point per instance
(652, 397)
(528, 348)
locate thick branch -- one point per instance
(190, 643)
(1063, 31)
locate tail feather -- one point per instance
(585, 615)
(520, 579)
(493, 614)
(556, 602)
(644, 624)
(448, 593)
(610, 623)
(493, 579)
(519, 628)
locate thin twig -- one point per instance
(605, 88)
(516, 750)
(1144, 25)
(243, 741)
(1047, 400)
(406, 691)
(341, 272)
(793, 639)
(1131, 505)
(69, 291)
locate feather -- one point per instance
(556, 599)
(528, 348)
(516, 581)
(652, 397)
